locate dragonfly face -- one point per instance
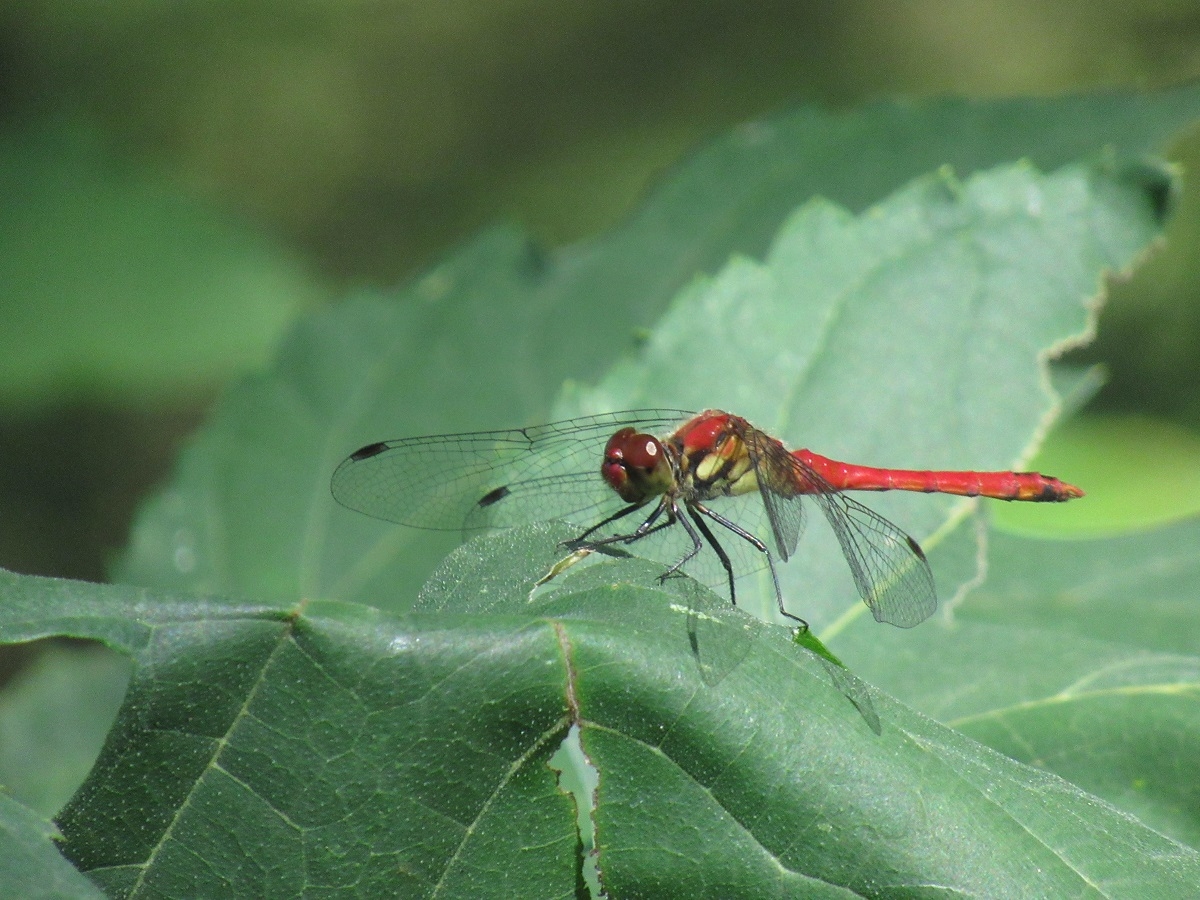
(637, 466)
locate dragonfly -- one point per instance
(642, 476)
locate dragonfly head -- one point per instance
(636, 466)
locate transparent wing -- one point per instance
(889, 567)
(774, 469)
(492, 479)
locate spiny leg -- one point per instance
(645, 529)
(697, 544)
(757, 545)
(619, 514)
(717, 548)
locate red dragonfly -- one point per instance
(607, 468)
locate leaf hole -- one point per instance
(580, 779)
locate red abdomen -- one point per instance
(1000, 485)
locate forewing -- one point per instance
(491, 479)
(773, 469)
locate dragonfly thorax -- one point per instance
(636, 466)
(715, 460)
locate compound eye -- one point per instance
(635, 466)
(638, 451)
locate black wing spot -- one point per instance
(493, 496)
(915, 548)
(368, 451)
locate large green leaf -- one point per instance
(333, 748)
(486, 339)
(1081, 657)
(115, 283)
(912, 335)
(909, 335)
(29, 864)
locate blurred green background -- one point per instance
(179, 181)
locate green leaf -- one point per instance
(931, 311)
(339, 748)
(265, 751)
(113, 283)
(1079, 657)
(486, 339)
(928, 316)
(29, 864)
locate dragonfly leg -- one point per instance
(715, 544)
(697, 546)
(647, 527)
(756, 544)
(582, 541)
